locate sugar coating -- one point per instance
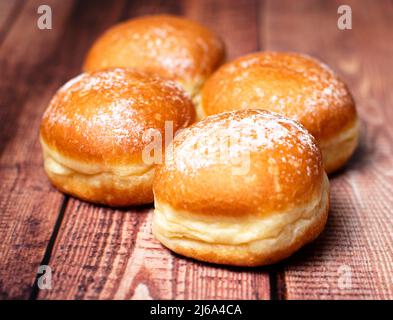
(224, 138)
(108, 112)
(294, 85)
(324, 89)
(171, 46)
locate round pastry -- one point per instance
(98, 125)
(243, 188)
(296, 86)
(170, 46)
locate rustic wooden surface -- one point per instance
(100, 253)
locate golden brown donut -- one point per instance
(243, 188)
(170, 46)
(96, 128)
(294, 85)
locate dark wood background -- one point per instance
(100, 253)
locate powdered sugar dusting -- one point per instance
(167, 45)
(219, 139)
(107, 112)
(294, 85)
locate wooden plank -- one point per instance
(235, 21)
(34, 64)
(9, 10)
(354, 256)
(28, 205)
(101, 253)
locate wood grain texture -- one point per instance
(102, 253)
(354, 256)
(28, 205)
(33, 67)
(9, 11)
(235, 21)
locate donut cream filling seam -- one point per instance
(58, 167)
(348, 135)
(180, 226)
(191, 86)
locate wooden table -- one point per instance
(100, 253)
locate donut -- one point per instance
(294, 85)
(243, 188)
(169, 46)
(97, 127)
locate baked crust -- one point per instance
(166, 45)
(240, 162)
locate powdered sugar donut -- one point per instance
(242, 188)
(93, 133)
